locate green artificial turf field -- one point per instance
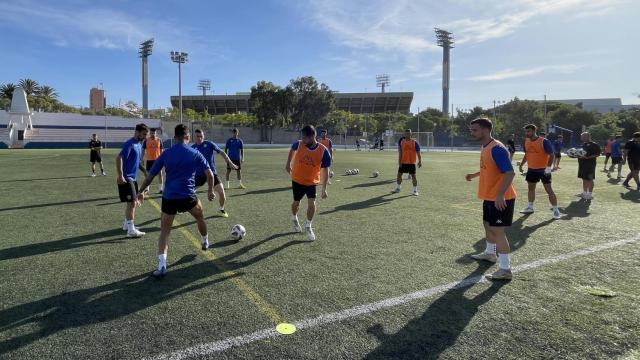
(73, 286)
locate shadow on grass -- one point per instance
(71, 243)
(263, 191)
(439, 326)
(370, 184)
(35, 206)
(372, 202)
(47, 179)
(633, 196)
(614, 181)
(578, 208)
(112, 301)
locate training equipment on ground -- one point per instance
(357, 171)
(375, 174)
(347, 172)
(238, 232)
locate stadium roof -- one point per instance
(357, 103)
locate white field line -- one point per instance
(222, 345)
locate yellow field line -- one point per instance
(245, 288)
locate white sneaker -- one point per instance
(310, 235)
(124, 225)
(296, 225)
(93, 175)
(415, 193)
(588, 197)
(528, 210)
(395, 191)
(555, 213)
(135, 233)
(104, 173)
(581, 195)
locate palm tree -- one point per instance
(29, 86)
(6, 90)
(47, 92)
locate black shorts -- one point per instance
(496, 217)
(95, 157)
(615, 160)
(150, 164)
(587, 171)
(174, 206)
(558, 155)
(407, 168)
(202, 179)
(299, 191)
(633, 165)
(237, 163)
(128, 191)
(534, 176)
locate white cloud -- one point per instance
(518, 73)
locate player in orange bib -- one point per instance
(408, 154)
(538, 152)
(324, 140)
(152, 149)
(498, 195)
(307, 160)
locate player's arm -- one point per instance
(470, 177)
(241, 151)
(400, 152)
(502, 161)
(292, 151)
(150, 175)
(120, 179)
(210, 194)
(228, 160)
(548, 148)
(326, 163)
(523, 161)
(418, 154)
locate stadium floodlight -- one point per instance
(204, 85)
(445, 41)
(146, 47)
(382, 81)
(180, 58)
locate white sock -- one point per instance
(294, 217)
(130, 226)
(162, 261)
(227, 184)
(415, 189)
(240, 182)
(221, 208)
(308, 224)
(503, 259)
(490, 249)
(555, 207)
(398, 186)
(205, 239)
(530, 204)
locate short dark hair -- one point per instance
(636, 134)
(308, 130)
(483, 122)
(153, 129)
(407, 130)
(618, 136)
(530, 126)
(234, 130)
(323, 131)
(94, 134)
(180, 130)
(199, 131)
(142, 127)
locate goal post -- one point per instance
(424, 138)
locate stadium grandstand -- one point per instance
(605, 105)
(357, 103)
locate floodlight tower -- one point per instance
(204, 85)
(145, 50)
(382, 81)
(179, 58)
(445, 40)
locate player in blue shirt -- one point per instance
(127, 165)
(235, 149)
(616, 157)
(181, 162)
(557, 149)
(208, 149)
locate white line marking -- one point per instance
(222, 345)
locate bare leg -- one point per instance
(166, 221)
(295, 206)
(414, 179)
(531, 195)
(552, 195)
(130, 211)
(222, 198)
(311, 209)
(197, 214)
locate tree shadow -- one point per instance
(579, 209)
(370, 184)
(439, 326)
(372, 202)
(121, 298)
(35, 206)
(46, 179)
(263, 191)
(633, 196)
(71, 243)
(614, 181)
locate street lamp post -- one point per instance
(179, 58)
(145, 50)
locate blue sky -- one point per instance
(524, 48)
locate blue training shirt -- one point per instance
(500, 156)
(234, 146)
(615, 149)
(557, 146)
(326, 157)
(207, 149)
(131, 153)
(180, 164)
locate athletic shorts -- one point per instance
(615, 160)
(128, 191)
(299, 191)
(202, 179)
(535, 176)
(633, 164)
(495, 217)
(95, 157)
(407, 168)
(237, 163)
(558, 155)
(174, 206)
(587, 171)
(149, 164)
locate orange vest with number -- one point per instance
(153, 149)
(536, 156)
(490, 175)
(307, 164)
(409, 154)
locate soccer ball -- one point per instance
(576, 152)
(238, 232)
(331, 173)
(347, 172)
(375, 174)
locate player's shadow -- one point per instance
(614, 181)
(365, 204)
(40, 205)
(71, 242)
(633, 196)
(427, 336)
(263, 191)
(230, 263)
(371, 184)
(79, 308)
(576, 209)
(46, 179)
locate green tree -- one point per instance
(29, 86)
(264, 106)
(312, 101)
(47, 92)
(6, 90)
